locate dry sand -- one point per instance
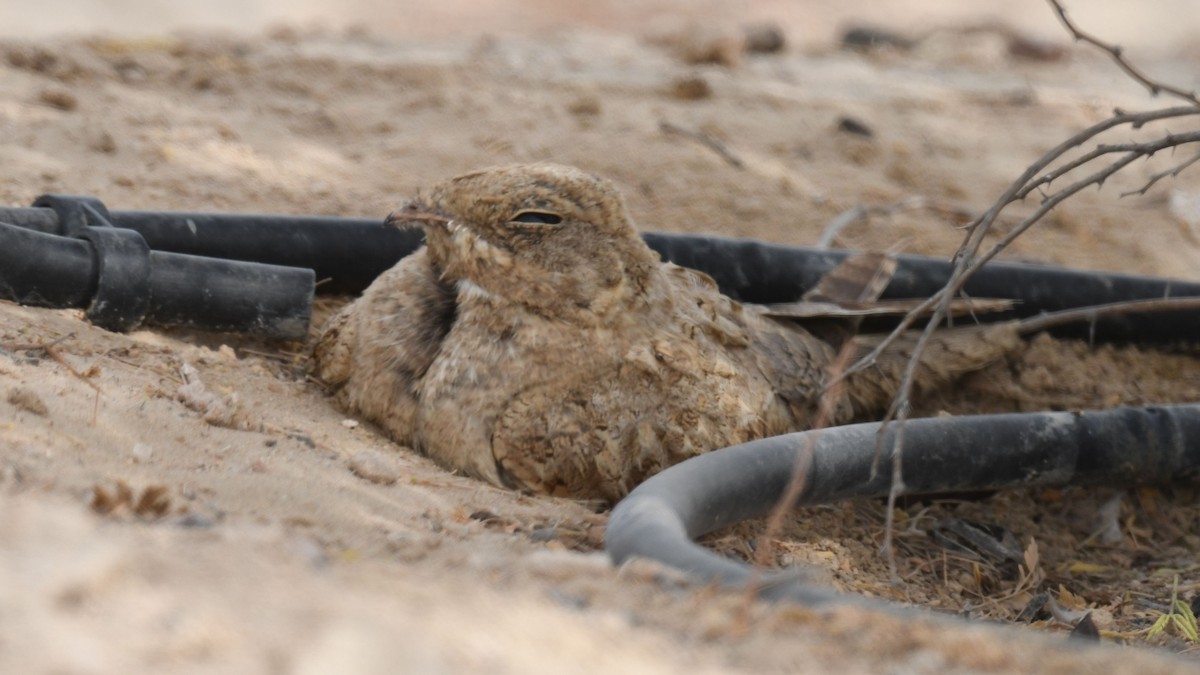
(300, 541)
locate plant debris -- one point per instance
(151, 504)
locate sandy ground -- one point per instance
(295, 540)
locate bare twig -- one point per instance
(834, 228)
(1153, 86)
(966, 267)
(861, 212)
(1042, 322)
(968, 260)
(281, 357)
(1171, 173)
(35, 346)
(791, 496)
(708, 140)
(1145, 149)
(52, 351)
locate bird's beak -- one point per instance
(414, 214)
(407, 219)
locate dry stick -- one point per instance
(966, 263)
(34, 346)
(966, 267)
(1145, 148)
(795, 487)
(1022, 186)
(970, 265)
(1042, 322)
(978, 228)
(1116, 53)
(52, 351)
(839, 223)
(967, 260)
(859, 212)
(825, 414)
(706, 139)
(281, 356)
(1173, 172)
(50, 348)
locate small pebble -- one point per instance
(60, 99)
(701, 46)
(375, 466)
(766, 38)
(142, 452)
(691, 88)
(1034, 49)
(27, 400)
(851, 125)
(867, 38)
(585, 106)
(104, 143)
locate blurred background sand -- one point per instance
(1150, 26)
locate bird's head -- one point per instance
(552, 238)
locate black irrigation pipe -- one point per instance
(346, 254)
(768, 273)
(122, 283)
(662, 516)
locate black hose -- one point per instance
(45, 271)
(121, 283)
(767, 273)
(660, 518)
(348, 253)
(345, 253)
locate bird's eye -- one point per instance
(537, 218)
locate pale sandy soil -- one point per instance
(274, 556)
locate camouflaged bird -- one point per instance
(537, 343)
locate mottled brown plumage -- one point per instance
(537, 343)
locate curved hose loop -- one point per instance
(660, 518)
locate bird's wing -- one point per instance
(949, 354)
(600, 434)
(375, 351)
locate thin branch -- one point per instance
(53, 352)
(1172, 173)
(826, 411)
(1090, 314)
(708, 140)
(971, 266)
(966, 258)
(963, 270)
(978, 229)
(35, 346)
(966, 262)
(894, 491)
(834, 228)
(1147, 149)
(1153, 86)
(861, 212)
